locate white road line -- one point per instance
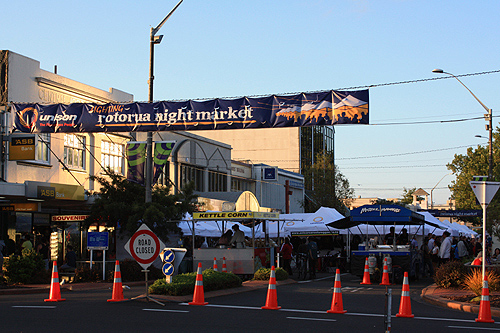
(317, 319)
(476, 328)
(345, 314)
(162, 310)
(323, 278)
(35, 306)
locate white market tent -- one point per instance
(314, 222)
(210, 228)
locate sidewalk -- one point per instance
(439, 296)
(41, 288)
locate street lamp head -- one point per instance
(157, 39)
(438, 70)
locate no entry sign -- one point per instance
(144, 246)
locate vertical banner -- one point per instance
(136, 160)
(162, 151)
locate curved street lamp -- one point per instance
(488, 117)
(153, 39)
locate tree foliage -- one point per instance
(327, 186)
(120, 204)
(408, 196)
(475, 163)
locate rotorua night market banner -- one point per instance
(305, 109)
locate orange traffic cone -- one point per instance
(366, 274)
(484, 305)
(199, 295)
(215, 265)
(55, 288)
(117, 285)
(385, 275)
(224, 267)
(272, 296)
(337, 306)
(405, 306)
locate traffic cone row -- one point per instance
(215, 265)
(117, 295)
(484, 305)
(199, 295)
(385, 275)
(405, 305)
(366, 274)
(55, 287)
(224, 267)
(337, 305)
(272, 295)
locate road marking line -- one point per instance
(35, 306)
(162, 310)
(476, 328)
(345, 314)
(317, 319)
(319, 279)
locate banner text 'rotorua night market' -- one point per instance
(305, 109)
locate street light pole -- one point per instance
(489, 126)
(432, 202)
(153, 39)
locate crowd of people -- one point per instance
(442, 249)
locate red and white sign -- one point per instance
(144, 246)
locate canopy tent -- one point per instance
(316, 222)
(463, 229)
(210, 228)
(381, 215)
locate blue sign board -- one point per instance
(168, 269)
(167, 256)
(97, 240)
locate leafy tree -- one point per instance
(326, 186)
(120, 204)
(475, 163)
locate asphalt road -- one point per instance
(303, 305)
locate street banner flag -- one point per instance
(136, 160)
(161, 153)
(324, 108)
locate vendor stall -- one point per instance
(244, 259)
(403, 256)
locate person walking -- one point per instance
(445, 249)
(312, 252)
(286, 252)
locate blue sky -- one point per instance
(240, 48)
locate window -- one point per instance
(217, 181)
(74, 151)
(112, 156)
(191, 173)
(42, 147)
(163, 179)
(241, 185)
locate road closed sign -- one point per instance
(144, 246)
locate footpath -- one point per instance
(431, 294)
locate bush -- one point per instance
(132, 271)
(474, 281)
(265, 274)
(450, 275)
(85, 274)
(26, 269)
(183, 284)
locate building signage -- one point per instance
(69, 218)
(42, 190)
(304, 109)
(235, 215)
(22, 148)
(9, 208)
